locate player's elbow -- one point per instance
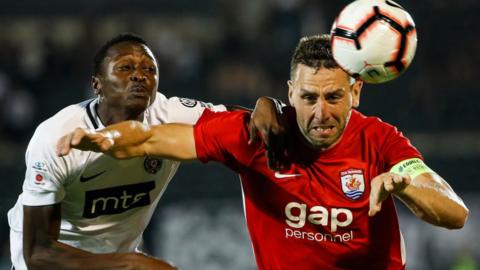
(35, 263)
(39, 259)
(458, 219)
(454, 220)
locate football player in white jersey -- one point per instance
(88, 210)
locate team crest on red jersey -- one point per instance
(353, 184)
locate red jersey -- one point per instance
(313, 216)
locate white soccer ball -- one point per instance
(374, 40)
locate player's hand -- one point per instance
(382, 186)
(268, 122)
(85, 140)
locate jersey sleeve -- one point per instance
(223, 137)
(396, 147)
(188, 111)
(45, 171)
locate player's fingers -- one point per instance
(266, 138)
(279, 140)
(272, 160)
(373, 200)
(77, 137)
(372, 203)
(273, 151)
(106, 144)
(388, 184)
(397, 179)
(374, 209)
(377, 195)
(252, 131)
(407, 179)
(63, 145)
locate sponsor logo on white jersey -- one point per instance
(110, 201)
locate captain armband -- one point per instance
(412, 167)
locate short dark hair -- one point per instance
(102, 52)
(313, 51)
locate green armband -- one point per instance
(412, 167)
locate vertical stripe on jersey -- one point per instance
(90, 114)
(402, 249)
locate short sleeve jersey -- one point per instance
(313, 215)
(106, 203)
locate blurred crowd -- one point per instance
(226, 51)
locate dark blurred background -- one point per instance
(227, 51)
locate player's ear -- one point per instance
(96, 85)
(290, 92)
(356, 91)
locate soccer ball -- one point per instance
(374, 40)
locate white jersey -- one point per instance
(106, 203)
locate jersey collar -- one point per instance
(92, 114)
(95, 119)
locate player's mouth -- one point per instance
(323, 130)
(139, 91)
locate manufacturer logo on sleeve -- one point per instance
(353, 183)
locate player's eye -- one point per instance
(334, 97)
(150, 69)
(309, 98)
(124, 67)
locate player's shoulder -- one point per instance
(240, 116)
(372, 124)
(62, 122)
(178, 110)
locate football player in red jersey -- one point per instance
(330, 205)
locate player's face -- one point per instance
(129, 77)
(323, 100)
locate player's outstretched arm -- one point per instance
(132, 139)
(269, 123)
(42, 251)
(427, 195)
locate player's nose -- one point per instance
(138, 76)
(320, 110)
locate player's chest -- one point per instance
(104, 186)
(332, 182)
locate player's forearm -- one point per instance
(56, 255)
(61, 256)
(434, 202)
(129, 139)
(132, 139)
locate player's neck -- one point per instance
(110, 115)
